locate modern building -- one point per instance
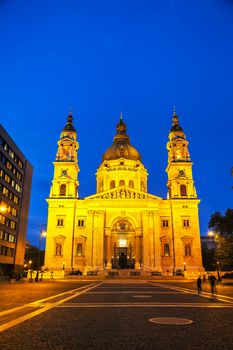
(122, 226)
(15, 188)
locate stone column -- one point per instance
(137, 251)
(108, 253)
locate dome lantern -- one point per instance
(121, 147)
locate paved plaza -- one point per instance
(114, 314)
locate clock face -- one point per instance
(181, 172)
(64, 172)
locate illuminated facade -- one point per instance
(15, 190)
(123, 226)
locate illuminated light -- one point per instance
(122, 242)
(3, 208)
(43, 234)
(211, 233)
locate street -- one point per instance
(115, 314)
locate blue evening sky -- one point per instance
(106, 56)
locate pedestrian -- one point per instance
(212, 280)
(199, 283)
(204, 278)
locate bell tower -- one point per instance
(65, 181)
(179, 169)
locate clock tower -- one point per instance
(65, 180)
(62, 200)
(179, 169)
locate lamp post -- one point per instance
(42, 235)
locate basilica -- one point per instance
(122, 226)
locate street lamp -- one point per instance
(42, 235)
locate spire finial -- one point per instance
(121, 116)
(174, 111)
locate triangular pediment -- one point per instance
(123, 192)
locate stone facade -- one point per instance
(122, 226)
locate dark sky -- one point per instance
(103, 57)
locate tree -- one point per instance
(222, 225)
(208, 258)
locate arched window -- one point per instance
(79, 249)
(131, 184)
(183, 190)
(58, 249)
(187, 250)
(166, 249)
(62, 190)
(112, 184)
(122, 183)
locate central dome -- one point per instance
(121, 147)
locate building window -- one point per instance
(7, 178)
(187, 250)
(13, 225)
(112, 184)
(165, 223)
(16, 199)
(62, 190)
(122, 183)
(81, 223)
(1, 234)
(183, 190)
(79, 249)
(2, 219)
(58, 249)
(11, 153)
(10, 252)
(131, 184)
(60, 222)
(11, 238)
(18, 188)
(14, 212)
(186, 223)
(166, 249)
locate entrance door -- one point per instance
(123, 259)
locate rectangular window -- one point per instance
(6, 147)
(7, 178)
(58, 249)
(5, 191)
(20, 164)
(60, 222)
(81, 223)
(10, 252)
(9, 165)
(14, 212)
(1, 234)
(11, 238)
(16, 199)
(165, 223)
(166, 249)
(79, 249)
(12, 225)
(2, 219)
(186, 223)
(18, 188)
(11, 153)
